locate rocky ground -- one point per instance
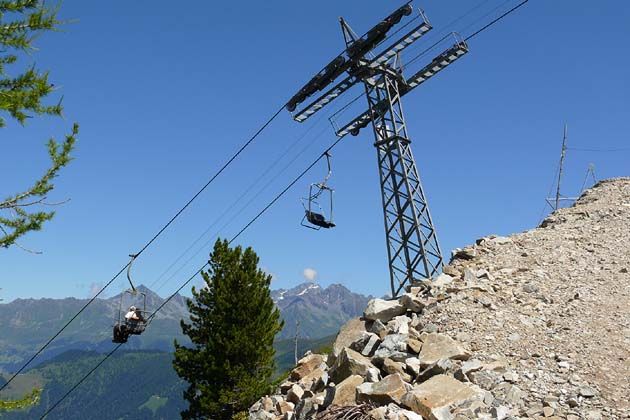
(535, 325)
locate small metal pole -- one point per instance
(564, 148)
(295, 340)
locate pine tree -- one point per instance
(21, 21)
(233, 322)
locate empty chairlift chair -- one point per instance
(314, 214)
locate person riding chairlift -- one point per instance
(133, 316)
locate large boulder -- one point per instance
(306, 366)
(352, 331)
(371, 345)
(383, 310)
(391, 367)
(439, 346)
(399, 325)
(295, 394)
(413, 303)
(394, 346)
(389, 390)
(345, 391)
(437, 397)
(284, 407)
(442, 280)
(350, 363)
(317, 376)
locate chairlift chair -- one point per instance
(124, 327)
(314, 214)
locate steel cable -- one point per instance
(250, 188)
(269, 205)
(181, 210)
(240, 232)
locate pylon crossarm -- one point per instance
(402, 43)
(436, 65)
(323, 100)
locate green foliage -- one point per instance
(233, 322)
(28, 400)
(21, 21)
(131, 385)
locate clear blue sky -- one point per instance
(165, 94)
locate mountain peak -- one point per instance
(317, 309)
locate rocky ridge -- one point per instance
(535, 325)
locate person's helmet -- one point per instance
(132, 308)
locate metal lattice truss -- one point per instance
(412, 245)
(406, 40)
(436, 65)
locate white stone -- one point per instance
(383, 310)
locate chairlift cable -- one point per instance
(152, 316)
(578, 149)
(485, 15)
(38, 352)
(243, 208)
(426, 50)
(447, 29)
(271, 203)
(181, 210)
(495, 20)
(80, 381)
(251, 187)
(252, 221)
(423, 52)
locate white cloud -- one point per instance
(310, 274)
(273, 275)
(95, 288)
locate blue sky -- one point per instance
(164, 95)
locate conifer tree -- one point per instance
(233, 322)
(21, 97)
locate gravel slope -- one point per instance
(554, 302)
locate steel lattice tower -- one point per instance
(412, 245)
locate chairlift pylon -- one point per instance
(314, 214)
(134, 320)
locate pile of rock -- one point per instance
(393, 360)
(534, 325)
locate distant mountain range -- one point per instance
(25, 324)
(320, 312)
(145, 361)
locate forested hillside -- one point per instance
(129, 385)
(140, 385)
